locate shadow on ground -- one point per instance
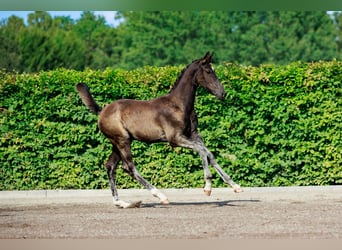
(212, 203)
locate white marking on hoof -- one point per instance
(207, 188)
(135, 204)
(165, 202)
(163, 199)
(123, 204)
(207, 192)
(237, 188)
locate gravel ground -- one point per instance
(257, 213)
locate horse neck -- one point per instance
(185, 89)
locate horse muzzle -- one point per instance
(221, 95)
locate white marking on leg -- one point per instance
(207, 175)
(237, 188)
(205, 154)
(156, 193)
(122, 204)
(207, 188)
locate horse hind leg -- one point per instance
(133, 172)
(111, 167)
(131, 169)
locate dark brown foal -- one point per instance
(169, 118)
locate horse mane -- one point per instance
(181, 75)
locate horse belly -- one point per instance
(146, 130)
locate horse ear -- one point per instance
(207, 58)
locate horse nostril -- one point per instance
(221, 95)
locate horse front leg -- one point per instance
(197, 139)
(226, 178)
(206, 171)
(197, 145)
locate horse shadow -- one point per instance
(228, 203)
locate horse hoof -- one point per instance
(207, 192)
(165, 202)
(237, 189)
(134, 204)
(122, 204)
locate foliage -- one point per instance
(338, 24)
(279, 125)
(162, 38)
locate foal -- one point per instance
(169, 118)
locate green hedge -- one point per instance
(279, 125)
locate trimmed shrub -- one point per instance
(279, 125)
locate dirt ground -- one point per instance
(257, 213)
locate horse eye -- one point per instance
(209, 71)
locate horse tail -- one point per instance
(88, 100)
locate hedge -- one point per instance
(278, 126)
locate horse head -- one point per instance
(206, 77)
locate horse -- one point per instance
(168, 118)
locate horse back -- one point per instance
(150, 121)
